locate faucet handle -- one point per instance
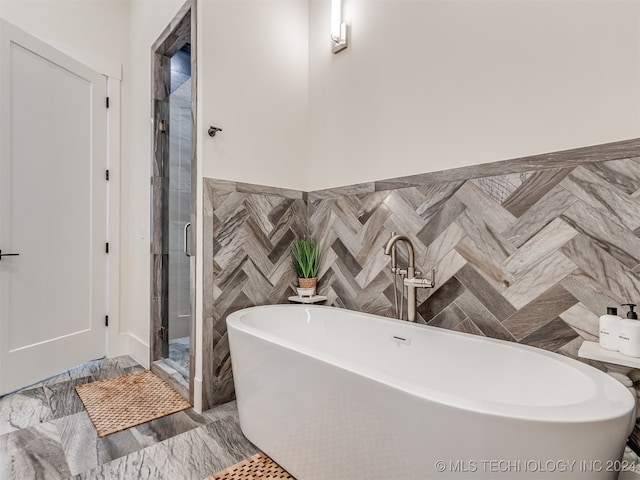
(418, 282)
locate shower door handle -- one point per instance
(185, 246)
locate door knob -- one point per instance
(8, 254)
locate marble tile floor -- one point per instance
(45, 433)
(179, 354)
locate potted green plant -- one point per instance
(305, 255)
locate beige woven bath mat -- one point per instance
(123, 402)
(258, 466)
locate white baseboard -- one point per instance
(138, 350)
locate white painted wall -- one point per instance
(255, 87)
(424, 85)
(252, 83)
(95, 32)
(429, 85)
(148, 19)
(107, 35)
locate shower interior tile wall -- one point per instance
(532, 256)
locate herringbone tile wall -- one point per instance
(246, 263)
(532, 257)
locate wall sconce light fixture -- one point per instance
(338, 28)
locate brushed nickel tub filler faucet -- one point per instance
(408, 276)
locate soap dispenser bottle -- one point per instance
(610, 329)
(630, 333)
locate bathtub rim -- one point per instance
(580, 412)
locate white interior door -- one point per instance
(52, 210)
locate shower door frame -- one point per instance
(181, 30)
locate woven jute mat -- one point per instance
(123, 402)
(257, 466)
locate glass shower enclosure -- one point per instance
(179, 212)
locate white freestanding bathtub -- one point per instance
(333, 394)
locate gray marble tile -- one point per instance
(264, 190)
(346, 257)
(482, 207)
(485, 293)
(571, 349)
(135, 466)
(179, 352)
(435, 197)
(371, 301)
(539, 312)
(62, 397)
(163, 428)
(24, 409)
(623, 173)
(551, 336)
(501, 187)
(342, 191)
(114, 367)
(227, 441)
(485, 264)
(83, 448)
(604, 232)
(33, 453)
(373, 238)
(164, 369)
(402, 212)
(440, 221)
(482, 317)
(450, 318)
(449, 239)
(546, 241)
(602, 267)
(583, 321)
(186, 456)
(485, 237)
(534, 188)
(549, 271)
(450, 265)
(597, 193)
(371, 204)
(202, 419)
(543, 212)
(593, 295)
(412, 196)
(441, 299)
(467, 326)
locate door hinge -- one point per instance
(106, 175)
(106, 320)
(162, 333)
(106, 247)
(162, 127)
(107, 102)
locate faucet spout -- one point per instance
(410, 282)
(388, 250)
(411, 271)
